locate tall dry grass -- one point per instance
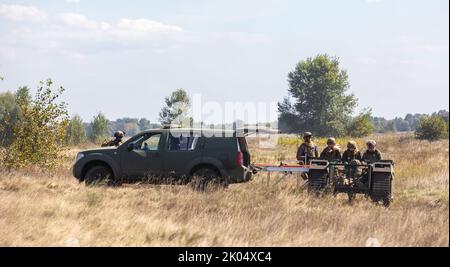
(40, 209)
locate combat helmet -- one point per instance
(119, 134)
(307, 134)
(371, 143)
(351, 144)
(331, 141)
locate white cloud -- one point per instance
(78, 27)
(22, 13)
(145, 25)
(121, 27)
(73, 1)
(78, 20)
(79, 34)
(80, 24)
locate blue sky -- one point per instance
(124, 57)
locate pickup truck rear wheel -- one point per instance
(206, 178)
(99, 175)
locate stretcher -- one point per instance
(287, 168)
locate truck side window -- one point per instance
(147, 142)
(182, 143)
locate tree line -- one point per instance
(409, 123)
(100, 128)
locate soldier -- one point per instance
(307, 149)
(352, 157)
(352, 153)
(371, 154)
(332, 151)
(117, 141)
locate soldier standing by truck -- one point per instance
(117, 141)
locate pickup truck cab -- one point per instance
(169, 153)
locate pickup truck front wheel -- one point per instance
(99, 175)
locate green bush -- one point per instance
(39, 134)
(432, 128)
(10, 113)
(76, 133)
(361, 125)
(99, 126)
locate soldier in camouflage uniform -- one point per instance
(332, 151)
(352, 153)
(117, 141)
(307, 149)
(371, 154)
(352, 158)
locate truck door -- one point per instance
(180, 150)
(142, 157)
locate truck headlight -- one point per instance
(79, 156)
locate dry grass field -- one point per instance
(41, 209)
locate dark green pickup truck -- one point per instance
(169, 153)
